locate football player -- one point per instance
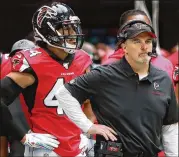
(15, 147)
(19, 111)
(37, 74)
(10, 126)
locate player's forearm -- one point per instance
(73, 109)
(9, 90)
(170, 139)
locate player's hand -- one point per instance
(36, 140)
(103, 130)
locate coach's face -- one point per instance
(137, 48)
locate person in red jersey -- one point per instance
(19, 111)
(16, 147)
(159, 61)
(13, 126)
(6, 68)
(38, 72)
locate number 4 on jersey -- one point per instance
(51, 100)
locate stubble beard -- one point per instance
(144, 60)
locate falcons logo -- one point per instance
(45, 12)
(15, 62)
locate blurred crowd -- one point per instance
(100, 52)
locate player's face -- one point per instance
(137, 48)
(67, 31)
(139, 17)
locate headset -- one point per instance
(122, 34)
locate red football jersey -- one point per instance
(50, 75)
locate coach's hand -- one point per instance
(36, 140)
(103, 130)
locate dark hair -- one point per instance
(128, 13)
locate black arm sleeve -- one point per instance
(9, 90)
(84, 86)
(171, 116)
(8, 127)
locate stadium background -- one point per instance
(100, 19)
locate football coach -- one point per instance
(130, 96)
